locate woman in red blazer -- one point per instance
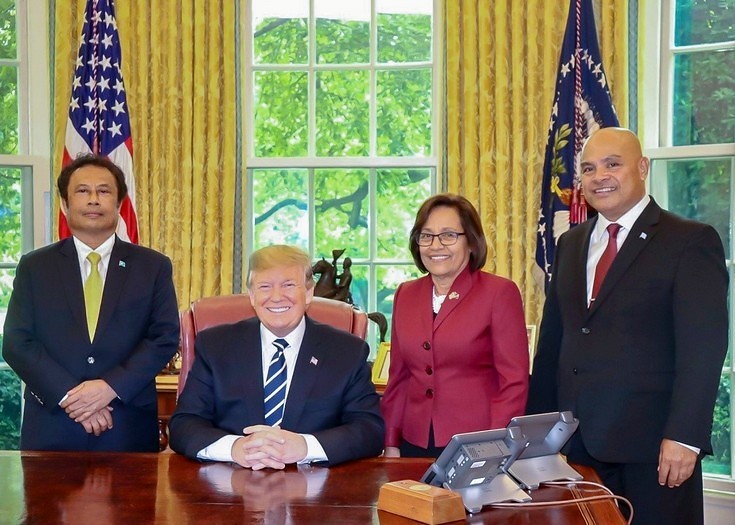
(459, 350)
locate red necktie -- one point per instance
(603, 265)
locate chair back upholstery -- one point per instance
(226, 309)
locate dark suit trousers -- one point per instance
(638, 482)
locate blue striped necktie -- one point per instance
(275, 385)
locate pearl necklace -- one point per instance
(436, 300)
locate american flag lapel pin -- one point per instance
(314, 361)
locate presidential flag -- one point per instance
(98, 111)
(582, 104)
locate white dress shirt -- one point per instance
(105, 251)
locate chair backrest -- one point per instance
(226, 309)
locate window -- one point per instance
(342, 148)
(690, 138)
(23, 175)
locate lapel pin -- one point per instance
(454, 295)
(121, 264)
(314, 361)
(643, 235)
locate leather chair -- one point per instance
(213, 311)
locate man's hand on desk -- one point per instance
(268, 447)
(98, 422)
(675, 463)
(87, 398)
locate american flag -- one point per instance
(98, 111)
(582, 104)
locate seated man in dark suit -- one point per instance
(279, 388)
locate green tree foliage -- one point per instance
(8, 80)
(9, 410)
(719, 462)
(704, 81)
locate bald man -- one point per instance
(636, 356)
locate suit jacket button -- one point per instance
(429, 393)
(429, 370)
(90, 360)
(586, 330)
(427, 345)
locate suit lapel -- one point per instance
(71, 277)
(117, 274)
(644, 229)
(311, 357)
(580, 263)
(249, 364)
(424, 310)
(459, 290)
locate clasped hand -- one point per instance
(268, 447)
(88, 404)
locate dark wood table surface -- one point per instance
(131, 489)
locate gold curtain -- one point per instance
(502, 58)
(179, 72)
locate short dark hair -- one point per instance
(471, 225)
(90, 159)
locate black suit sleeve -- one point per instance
(158, 344)
(700, 321)
(46, 378)
(362, 431)
(194, 424)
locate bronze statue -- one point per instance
(333, 286)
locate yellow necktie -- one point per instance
(93, 294)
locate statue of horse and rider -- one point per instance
(337, 287)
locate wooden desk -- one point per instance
(54, 487)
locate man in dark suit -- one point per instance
(89, 362)
(639, 360)
(325, 408)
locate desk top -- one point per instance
(58, 487)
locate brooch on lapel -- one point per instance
(121, 264)
(314, 361)
(643, 235)
(454, 295)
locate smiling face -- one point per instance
(444, 263)
(280, 297)
(92, 207)
(614, 172)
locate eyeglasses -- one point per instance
(445, 238)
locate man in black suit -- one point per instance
(328, 410)
(639, 361)
(85, 367)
